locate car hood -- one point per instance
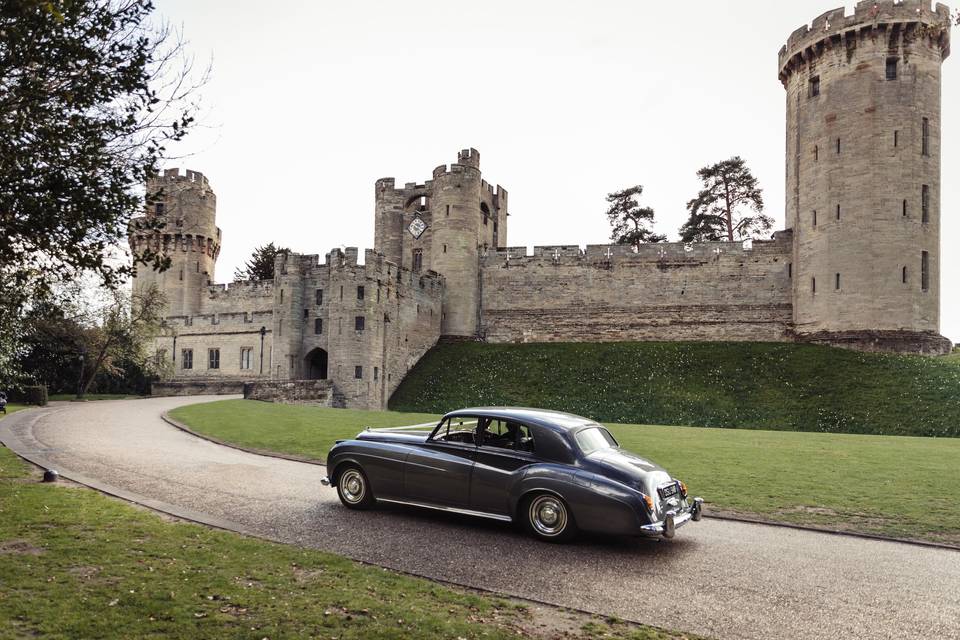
(628, 468)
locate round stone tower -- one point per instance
(456, 229)
(188, 208)
(863, 175)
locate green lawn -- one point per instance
(785, 387)
(76, 564)
(900, 486)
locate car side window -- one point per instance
(461, 429)
(505, 434)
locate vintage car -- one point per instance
(555, 473)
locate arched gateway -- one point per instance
(315, 365)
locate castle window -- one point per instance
(904, 275)
(213, 356)
(814, 86)
(790, 270)
(341, 292)
(892, 64)
(444, 248)
(417, 259)
(814, 217)
(925, 270)
(925, 137)
(159, 208)
(838, 212)
(904, 208)
(838, 146)
(925, 203)
(376, 373)
(358, 323)
(186, 358)
(319, 297)
(318, 326)
(181, 274)
(281, 296)
(896, 139)
(448, 210)
(246, 357)
(378, 293)
(813, 285)
(198, 266)
(360, 293)
(358, 373)
(836, 283)
(816, 153)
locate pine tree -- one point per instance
(729, 207)
(631, 222)
(260, 265)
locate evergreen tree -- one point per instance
(729, 207)
(631, 222)
(260, 264)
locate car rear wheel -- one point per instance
(548, 518)
(353, 488)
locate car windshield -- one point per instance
(594, 439)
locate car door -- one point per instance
(438, 472)
(505, 449)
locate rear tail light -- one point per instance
(647, 500)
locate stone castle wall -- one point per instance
(664, 292)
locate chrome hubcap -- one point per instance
(352, 486)
(548, 516)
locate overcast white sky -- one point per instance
(312, 101)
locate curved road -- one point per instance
(721, 579)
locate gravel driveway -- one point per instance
(721, 579)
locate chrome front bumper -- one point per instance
(673, 520)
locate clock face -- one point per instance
(417, 227)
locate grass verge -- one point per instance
(76, 564)
(786, 387)
(897, 486)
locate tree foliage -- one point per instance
(260, 265)
(630, 222)
(728, 207)
(90, 95)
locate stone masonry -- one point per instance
(857, 266)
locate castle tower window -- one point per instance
(358, 373)
(213, 358)
(790, 270)
(816, 153)
(159, 208)
(306, 313)
(925, 137)
(836, 283)
(186, 358)
(904, 208)
(448, 210)
(319, 297)
(838, 146)
(360, 292)
(814, 86)
(246, 358)
(198, 267)
(358, 323)
(896, 139)
(444, 248)
(838, 212)
(814, 217)
(181, 274)
(341, 292)
(376, 373)
(318, 326)
(892, 64)
(925, 203)
(925, 270)
(417, 259)
(281, 296)
(904, 275)
(813, 285)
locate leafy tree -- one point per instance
(629, 220)
(90, 95)
(260, 264)
(729, 207)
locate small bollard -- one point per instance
(50, 475)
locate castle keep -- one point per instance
(857, 266)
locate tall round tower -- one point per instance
(188, 208)
(863, 175)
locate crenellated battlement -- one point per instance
(833, 26)
(174, 175)
(239, 321)
(605, 255)
(469, 157)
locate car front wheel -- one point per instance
(354, 489)
(548, 518)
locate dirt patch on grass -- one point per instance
(19, 548)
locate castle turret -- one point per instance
(863, 174)
(187, 207)
(444, 225)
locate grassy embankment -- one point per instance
(900, 486)
(747, 386)
(76, 564)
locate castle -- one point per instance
(857, 266)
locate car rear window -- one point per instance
(594, 439)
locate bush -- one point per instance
(31, 395)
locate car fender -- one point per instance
(382, 463)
